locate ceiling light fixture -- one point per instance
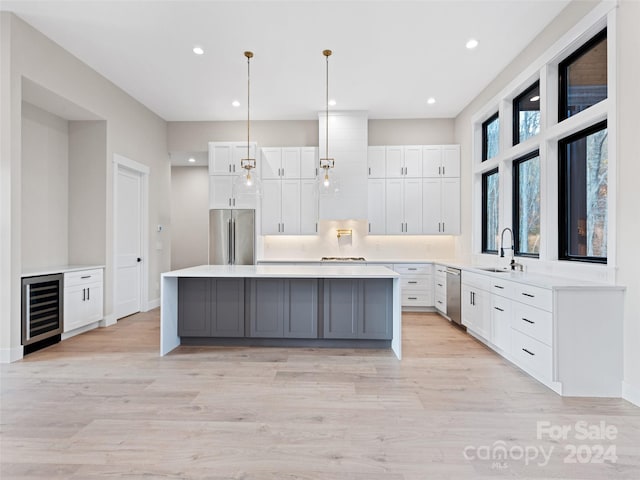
(431, 101)
(198, 50)
(535, 98)
(245, 183)
(326, 185)
(235, 103)
(332, 103)
(191, 160)
(472, 43)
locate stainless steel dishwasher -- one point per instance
(453, 295)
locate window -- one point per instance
(583, 185)
(490, 137)
(490, 198)
(526, 205)
(526, 114)
(583, 77)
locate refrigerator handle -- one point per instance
(229, 244)
(233, 258)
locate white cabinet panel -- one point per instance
(376, 207)
(290, 202)
(220, 156)
(431, 206)
(431, 161)
(413, 206)
(451, 161)
(450, 206)
(394, 214)
(271, 207)
(220, 191)
(290, 162)
(83, 298)
(308, 208)
(271, 160)
(308, 162)
(376, 162)
(394, 161)
(501, 322)
(413, 161)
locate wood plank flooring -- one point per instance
(105, 405)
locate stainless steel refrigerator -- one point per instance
(231, 237)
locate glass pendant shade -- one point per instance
(247, 183)
(327, 182)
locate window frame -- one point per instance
(485, 124)
(516, 112)
(515, 210)
(562, 72)
(485, 175)
(563, 196)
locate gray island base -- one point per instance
(306, 306)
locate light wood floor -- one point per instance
(105, 405)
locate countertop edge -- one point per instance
(58, 269)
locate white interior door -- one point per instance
(128, 242)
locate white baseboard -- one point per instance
(9, 355)
(631, 393)
(151, 304)
(108, 321)
(80, 330)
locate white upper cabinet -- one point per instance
(441, 161)
(451, 206)
(308, 162)
(221, 194)
(290, 162)
(225, 157)
(376, 207)
(394, 161)
(308, 207)
(403, 206)
(441, 206)
(376, 160)
(281, 207)
(413, 161)
(271, 162)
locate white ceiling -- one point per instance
(389, 56)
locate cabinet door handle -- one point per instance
(443, 171)
(440, 285)
(229, 202)
(412, 298)
(282, 227)
(369, 170)
(530, 353)
(234, 202)
(283, 172)
(529, 295)
(528, 321)
(88, 293)
(499, 286)
(412, 283)
(229, 168)
(316, 227)
(369, 223)
(499, 309)
(234, 168)
(442, 227)
(85, 276)
(439, 170)
(413, 269)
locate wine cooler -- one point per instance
(41, 308)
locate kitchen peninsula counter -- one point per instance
(304, 305)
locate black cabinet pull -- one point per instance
(88, 294)
(530, 353)
(412, 298)
(85, 276)
(528, 321)
(499, 309)
(412, 283)
(529, 295)
(499, 286)
(84, 294)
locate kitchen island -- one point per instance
(281, 305)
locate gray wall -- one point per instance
(189, 216)
(132, 131)
(424, 131)
(628, 79)
(45, 187)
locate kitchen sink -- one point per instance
(493, 269)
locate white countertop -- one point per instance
(285, 271)
(32, 272)
(339, 262)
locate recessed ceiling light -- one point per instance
(534, 98)
(472, 43)
(192, 160)
(235, 103)
(332, 103)
(198, 50)
(431, 101)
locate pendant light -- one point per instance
(327, 185)
(247, 183)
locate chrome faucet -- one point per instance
(513, 264)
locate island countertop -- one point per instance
(285, 271)
(169, 338)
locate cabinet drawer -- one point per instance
(534, 296)
(534, 322)
(416, 282)
(440, 286)
(410, 299)
(440, 271)
(501, 287)
(414, 268)
(83, 277)
(441, 304)
(476, 280)
(531, 355)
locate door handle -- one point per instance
(138, 259)
(233, 240)
(84, 294)
(89, 293)
(229, 244)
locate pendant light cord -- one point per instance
(326, 137)
(248, 55)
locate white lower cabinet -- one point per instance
(416, 283)
(568, 337)
(83, 298)
(440, 288)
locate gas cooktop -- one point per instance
(343, 259)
